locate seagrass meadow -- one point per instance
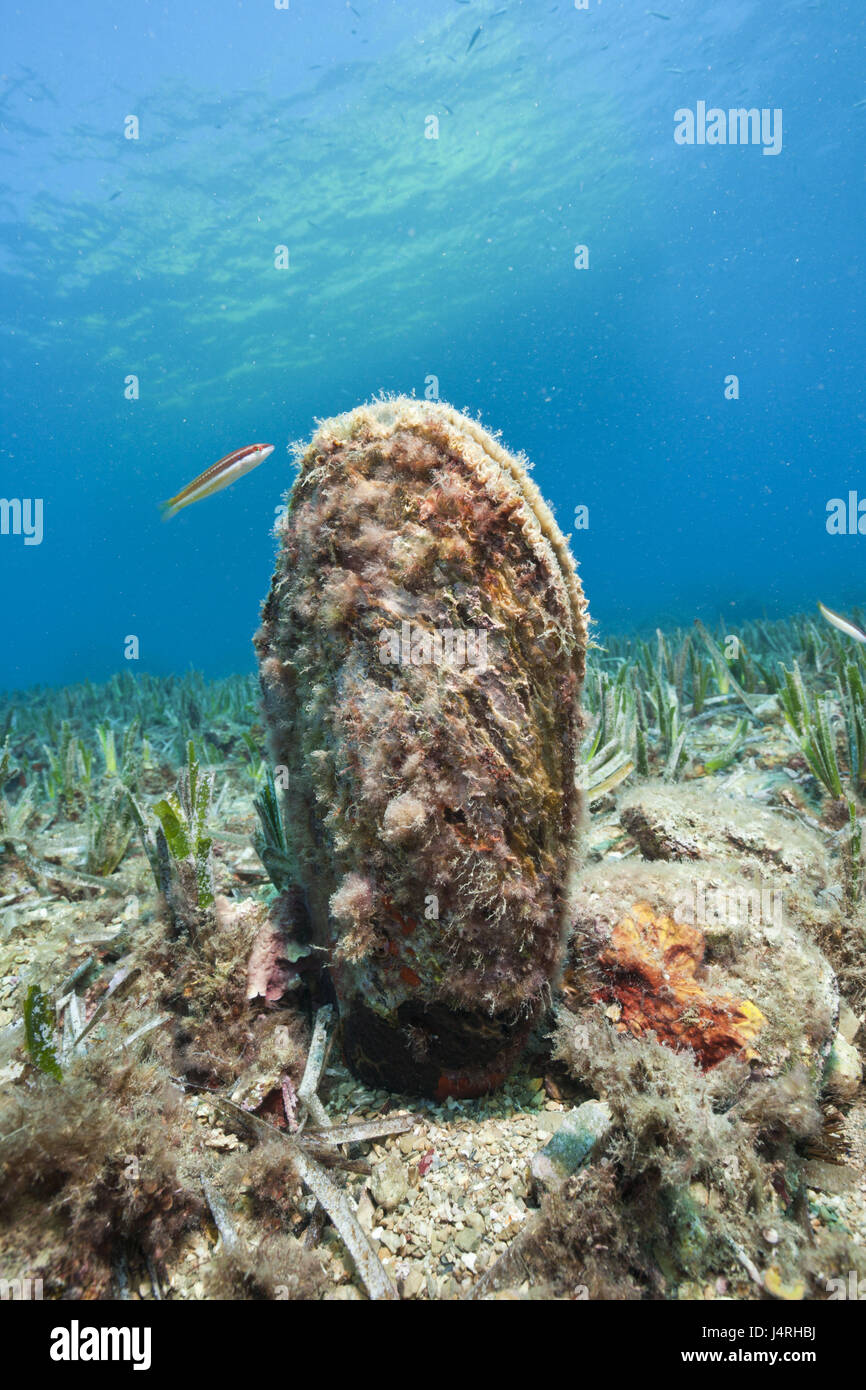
(179, 1117)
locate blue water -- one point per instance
(412, 257)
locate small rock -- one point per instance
(704, 1196)
(366, 1212)
(467, 1239)
(844, 1070)
(413, 1283)
(775, 1285)
(519, 1186)
(549, 1121)
(574, 1144)
(342, 1265)
(389, 1184)
(849, 1023)
(222, 1142)
(833, 1178)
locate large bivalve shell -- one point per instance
(422, 655)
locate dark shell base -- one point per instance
(425, 1054)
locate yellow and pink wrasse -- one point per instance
(221, 474)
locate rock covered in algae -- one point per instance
(421, 657)
(579, 1138)
(709, 962)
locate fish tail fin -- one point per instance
(168, 509)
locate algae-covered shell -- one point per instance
(421, 655)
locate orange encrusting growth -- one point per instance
(651, 979)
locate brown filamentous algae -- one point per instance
(422, 656)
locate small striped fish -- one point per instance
(844, 624)
(220, 474)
